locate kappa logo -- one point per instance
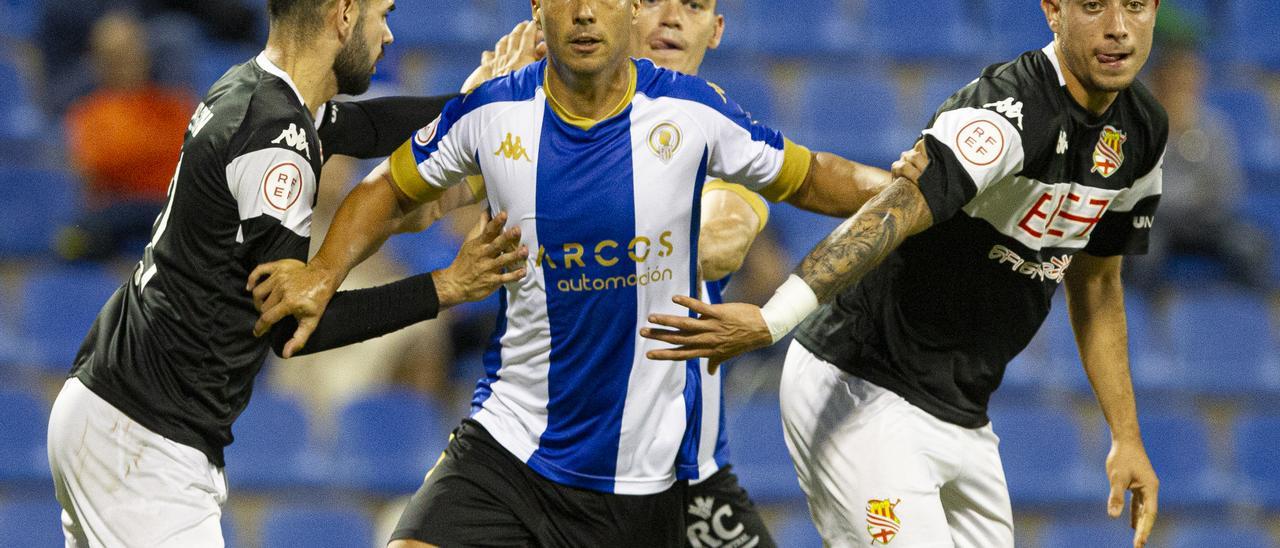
(512, 149)
(295, 138)
(719, 91)
(1010, 108)
(1062, 142)
(1108, 156)
(882, 521)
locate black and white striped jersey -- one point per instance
(174, 348)
(1020, 179)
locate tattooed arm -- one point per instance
(861, 243)
(855, 248)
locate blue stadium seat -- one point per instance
(216, 59)
(805, 27)
(447, 71)
(931, 30)
(752, 91)
(1109, 533)
(21, 18)
(272, 448)
(34, 203)
(1043, 460)
(429, 250)
(59, 307)
(1222, 342)
(758, 450)
(1256, 131)
(796, 530)
(316, 527)
(24, 424)
(388, 441)
(1248, 20)
(1178, 446)
(20, 116)
(797, 231)
(853, 114)
(447, 23)
(1257, 450)
(1016, 26)
(32, 523)
(1217, 534)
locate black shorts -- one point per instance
(479, 494)
(720, 514)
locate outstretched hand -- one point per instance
(523, 46)
(720, 332)
(489, 258)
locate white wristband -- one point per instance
(790, 305)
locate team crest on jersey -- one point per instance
(882, 522)
(425, 135)
(664, 140)
(1108, 156)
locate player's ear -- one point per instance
(719, 33)
(1052, 13)
(536, 8)
(347, 11)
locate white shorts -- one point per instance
(120, 484)
(877, 469)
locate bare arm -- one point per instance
(855, 248)
(456, 197)
(373, 211)
(839, 187)
(861, 243)
(1095, 299)
(729, 227)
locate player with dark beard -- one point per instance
(137, 433)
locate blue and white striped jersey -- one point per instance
(610, 210)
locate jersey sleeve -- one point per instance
(440, 155)
(273, 183)
(1125, 229)
(976, 139)
(756, 201)
(374, 128)
(747, 152)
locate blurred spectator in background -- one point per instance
(173, 28)
(1204, 186)
(124, 140)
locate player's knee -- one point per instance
(409, 544)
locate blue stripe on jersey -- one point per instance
(521, 85)
(715, 295)
(591, 308)
(687, 458)
(655, 82)
(492, 356)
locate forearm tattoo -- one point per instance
(863, 241)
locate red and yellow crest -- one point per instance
(882, 521)
(1108, 156)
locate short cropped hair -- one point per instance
(306, 14)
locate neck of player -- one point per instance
(1094, 101)
(592, 96)
(311, 73)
